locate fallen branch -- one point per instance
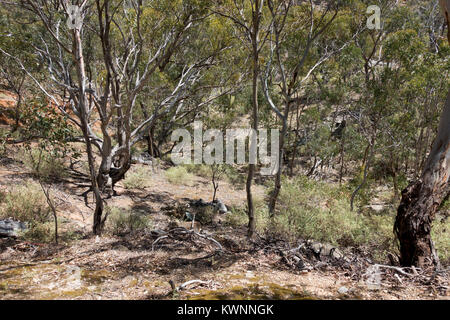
(184, 285)
(398, 269)
(187, 232)
(208, 238)
(157, 240)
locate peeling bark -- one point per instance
(422, 198)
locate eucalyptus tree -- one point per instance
(252, 28)
(378, 78)
(14, 79)
(422, 198)
(103, 59)
(299, 45)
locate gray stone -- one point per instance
(343, 290)
(217, 204)
(199, 203)
(10, 228)
(143, 158)
(188, 216)
(221, 207)
(325, 250)
(316, 247)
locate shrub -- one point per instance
(237, 216)
(205, 215)
(179, 175)
(201, 170)
(321, 211)
(3, 137)
(235, 177)
(49, 166)
(26, 203)
(228, 172)
(137, 178)
(41, 232)
(441, 237)
(122, 221)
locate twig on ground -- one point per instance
(184, 285)
(157, 240)
(187, 232)
(398, 269)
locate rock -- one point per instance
(299, 262)
(316, 247)
(10, 228)
(325, 250)
(143, 158)
(221, 207)
(189, 216)
(199, 203)
(343, 290)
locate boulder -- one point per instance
(10, 228)
(217, 204)
(220, 206)
(324, 250)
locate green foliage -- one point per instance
(320, 211)
(226, 172)
(122, 221)
(205, 215)
(40, 232)
(45, 122)
(179, 175)
(441, 237)
(201, 170)
(234, 176)
(3, 137)
(137, 178)
(26, 203)
(237, 216)
(388, 85)
(43, 164)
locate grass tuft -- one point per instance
(179, 175)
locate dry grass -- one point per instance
(179, 175)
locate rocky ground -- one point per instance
(110, 268)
